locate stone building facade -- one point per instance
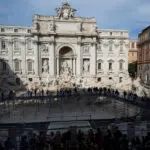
(133, 50)
(143, 68)
(64, 49)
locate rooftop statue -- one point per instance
(65, 12)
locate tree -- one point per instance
(132, 69)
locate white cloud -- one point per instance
(118, 14)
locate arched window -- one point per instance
(99, 65)
(121, 64)
(110, 65)
(17, 65)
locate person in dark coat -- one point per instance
(24, 143)
(8, 144)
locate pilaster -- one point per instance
(93, 59)
(37, 56)
(52, 59)
(79, 64)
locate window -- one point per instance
(111, 33)
(132, 53)
(29, 31)
(30, 79)
(99, 66)
(3, 44)
(15, 30)
(2, 30)
(135, 45)
(121, 65)
(30, 66)
(99, 79)
(149, 35)
(17, 65)
(132, 45)
(110, 66)
(110, 78)
(120, 80)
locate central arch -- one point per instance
(66, 61)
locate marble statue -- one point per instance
(66, 13)
(86, 66)
(65, 69)
(86, 49)
(71, 13)
(44, 49)
(59, 12)
(45, 66)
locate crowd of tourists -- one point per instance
(113, 93)
(78, 140)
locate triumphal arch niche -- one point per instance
(66, 61)
(68, 50)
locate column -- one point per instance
(57, 66)
(23, 61)
(52, 59)
(10, 55)
(79, 60)
(36, 50)
(93, 60)
(74, 66)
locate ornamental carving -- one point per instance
(116, 43)
(44, 49)
(52, 26)
(86, 66)
(126, 44)
(121, 42)
(65, 11)
(45, 65)
(106, 43)
(86, 49)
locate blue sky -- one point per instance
(132, 15)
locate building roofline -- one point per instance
(13, 26)
(133, 40)
(112, 30)
(146, 29)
